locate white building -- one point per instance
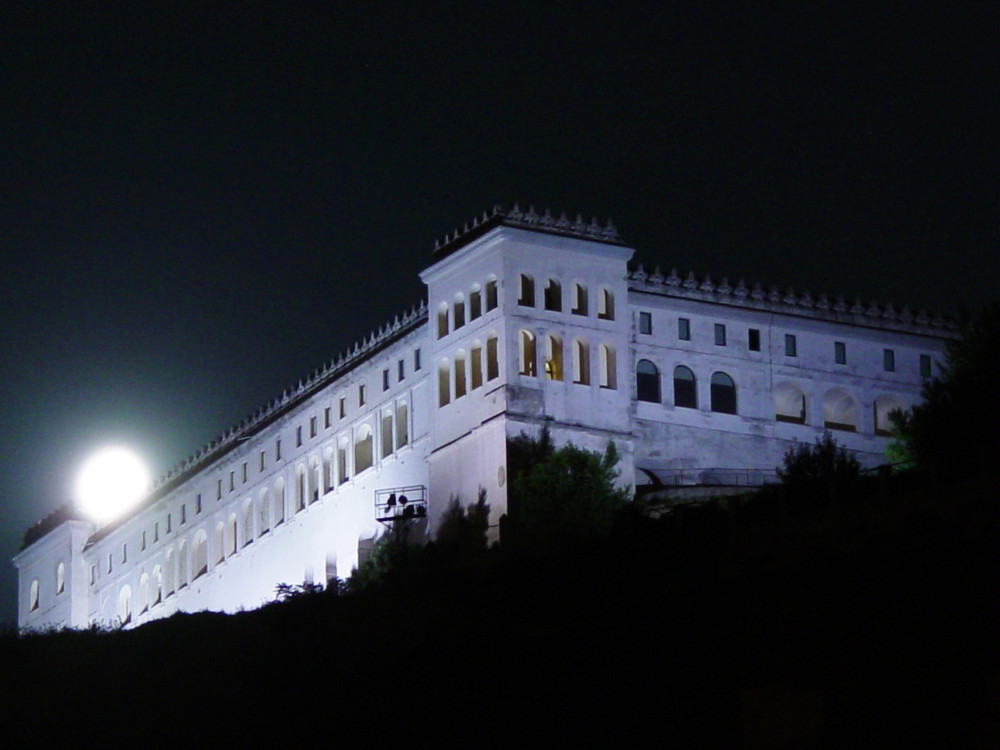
(531, 321)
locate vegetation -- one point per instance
(462, 531)
(953, 432)
(392, 552)
(825, 468)
(562, 496)
(717, 627)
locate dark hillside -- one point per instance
(868, 624)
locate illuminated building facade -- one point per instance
(532, 321)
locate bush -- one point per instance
(953, 431)
(463, 531)
(824, 468)
(563, 496)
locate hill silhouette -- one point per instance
(754, 623)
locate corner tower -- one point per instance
(528, 326)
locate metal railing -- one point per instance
(710, 477)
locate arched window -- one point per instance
(247, 522)
(182, 570)
(300, 488)
(199, 554)
(143, 601)
(526, 296)
(385, 433)
(491, 295)
(476, 365)
(581, 362)
(723, 393)
(685, 388)
(840, 410)
(402, 425)
(125, 605)
(232, 538)
(553, 357)
(789, 404)
(33, 596)
(220, 541)
(647, 381)
(279, 502)
(492, 357)
(168, 573)
(475, 303)
(60, 578)
(461, 385)
(883, 406)
(527, 364)
(609, 367)
(343, 448)
(553, 295)
(362, 449)
(264, 507)
(328, 473)
(606, 305)
(444, 382)
(442, 320)
(314, 479)
(156, 586)
(459, 311)
(579, 299)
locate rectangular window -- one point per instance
(110, 568)
(143, 545)
(753, 340)
(925, 365)
(400, 370)
(218, 489)
(888, 360)
(170, 522)
(720, 334)
(312, 427)
(197, 503)
(156, 531)
(840, 352)
(244, 472)
(343, 407)
(645, 322)
(684, 329)
(298, 438)
(361, 395)
(790, 345)
(416, 359)
(184, 513)
(326, 418)
(124, 553)
(232, 481)
(93, 574)
(385, 379)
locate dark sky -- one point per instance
(200, 204)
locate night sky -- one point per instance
(199, 205)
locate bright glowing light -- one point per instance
(112, 482)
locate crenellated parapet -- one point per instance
(362, 350)
(530, 219)
(790, 302)
(65, 512)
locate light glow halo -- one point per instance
(111, 483)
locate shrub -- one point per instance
(824, 467)
(463, 530)
(565, 495)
